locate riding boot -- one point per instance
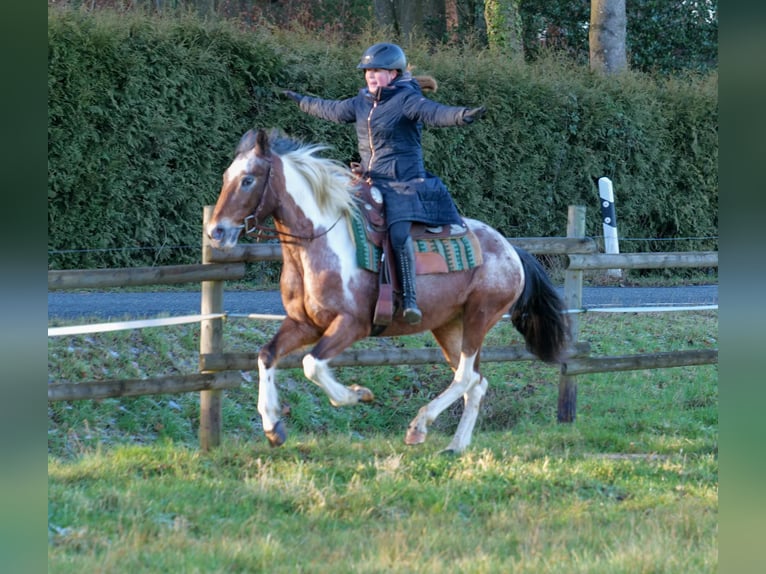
(405, 259)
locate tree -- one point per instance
(453, 20)
(504, 25)
(608, 27)
(669, 36)
(665, 36)
(412, 17)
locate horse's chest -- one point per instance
(318, 297)
(322, 285)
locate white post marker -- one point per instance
(609, 220)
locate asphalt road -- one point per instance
(125, 306)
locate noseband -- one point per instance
(263, 232)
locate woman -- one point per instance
(389, 114)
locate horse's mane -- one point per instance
(328, 178)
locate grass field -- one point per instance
(631, 486)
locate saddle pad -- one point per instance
(459, 253)
(367, 253)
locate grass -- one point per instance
(517, 503)
(631, 486)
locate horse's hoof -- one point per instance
(365, 395)
(278, 435)
(449, 452)
(414, 436)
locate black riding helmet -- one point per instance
(384, 56)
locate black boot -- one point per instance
(405, 260)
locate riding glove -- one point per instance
(473, 114)
(296, 97)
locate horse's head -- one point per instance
(244, 194)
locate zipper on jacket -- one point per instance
(369, 135)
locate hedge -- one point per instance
(144, 114)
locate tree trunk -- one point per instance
(385, 15)
(412, 17)
(451, 20)
(205, 8)
(607, 34)
(434, 19)
(504, 25)
(409, 15)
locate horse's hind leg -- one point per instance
(464, 431)
(465, 379)
(461, 342)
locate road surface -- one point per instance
(125, 306)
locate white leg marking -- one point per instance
(465, 379)
(464, 431)
(318, 372)
(268, 397)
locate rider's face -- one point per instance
(377, 78)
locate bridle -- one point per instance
(264, 232)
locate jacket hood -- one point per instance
(425, 83)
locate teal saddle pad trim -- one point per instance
(458, 252)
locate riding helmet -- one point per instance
(384, 56)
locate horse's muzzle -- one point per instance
(223, 236)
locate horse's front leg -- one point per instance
(291, 335)
(342, 333)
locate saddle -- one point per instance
(438, 249)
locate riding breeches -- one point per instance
(398, 233)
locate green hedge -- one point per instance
(144, 114)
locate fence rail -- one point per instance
(377, 357)
(575, 366)
(140, 276)
(137, 387)
(643, 260)
(250, 252)
(220, 370)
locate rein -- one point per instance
(264, 232)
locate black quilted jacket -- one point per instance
(388, 129)
(388, 126)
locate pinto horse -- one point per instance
(330, 300)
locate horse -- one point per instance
(330, 299)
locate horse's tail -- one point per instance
(539, 313)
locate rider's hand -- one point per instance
(294, 96)
(473, 114)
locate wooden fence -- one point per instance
(219, 370)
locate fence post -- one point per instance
(609, 221)
(210, 341)
(573, 298)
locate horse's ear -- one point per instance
(246, 143)
(262, 147)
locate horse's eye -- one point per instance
(247, 181)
